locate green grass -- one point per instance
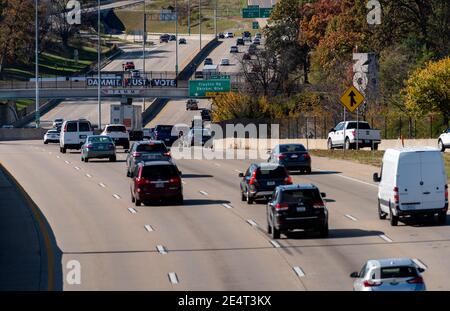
(365, 157)
(22, 103)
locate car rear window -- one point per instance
(164, 128)
(71, 127)
(115, 128)
(271, 172)
(52, 132)
(294, 196)
(292, 148)
(398, 272)
(362, 126)
(100, 139)
(155, 172)
(85, 127)
(151, 148)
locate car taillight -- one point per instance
(281, 157)
(142, 181)
(253, 180)
(167, 154)
(416, 280)
(370, 283)
(89, 146)
(396, 195)
(306, 156)
(65, 128)
(176, 181)
(136, 154)
(281, 206)
(318, 205)
(446, 193)
(288, 180)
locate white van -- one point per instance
(73, 134)
(412, 181)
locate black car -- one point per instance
(246, 34)
(206, 115)
(260, 181)
(208, 61)
(182, 41)
(297, 207)
(240, 41)
(172, 38)
(165, 133)
(221, 35)
(142, 151)
(294, 157)
(164, 38)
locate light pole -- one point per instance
(99, 86)
(144, 39)
(215, 19)
(37, 117)
(176, 38)
(189, 17)
(200, 18)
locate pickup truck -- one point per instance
(444, 140)
(367, 137)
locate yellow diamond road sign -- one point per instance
(352, 99)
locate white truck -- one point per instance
(210, 70)
(130, 116)
(444, 140)
(347, 134)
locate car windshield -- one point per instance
(99, 139)
(155, 172)
(362, 125)
(296, 195)
(292, 148)
(116, 128)
(271, 172)
(398, 272)
(151, 148)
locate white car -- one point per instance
(444, 140)
(346, 134)
(58, 122)
(397, 274)
(224, 62)
(119, 134)
(73, 134)
(52, 136)
(229, 35)
(412, 182)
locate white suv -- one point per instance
(119, 134)
(444, 140)
(73, 134)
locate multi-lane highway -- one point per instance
(214, 241)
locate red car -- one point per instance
(156, 181)
(128, 66)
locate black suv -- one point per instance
(164, 38)
(240, 41)
(297, 207)
(206, 115)
(261, 179)
(142, 151)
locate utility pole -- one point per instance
(37, 117)
(176, 38)
(200, 17)
(99, 86)
(189, 17)
(215, 20)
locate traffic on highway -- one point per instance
(289, 150)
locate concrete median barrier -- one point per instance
(22, 134)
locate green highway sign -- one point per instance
(255, 25)
(199, 88)
(251, 12)
(265, 12)
(220, 77)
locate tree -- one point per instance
(428, 90)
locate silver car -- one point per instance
(98, 147)
(397, 274)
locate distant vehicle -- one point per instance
(158, 180)
(396, 274)
(164, 38)
(147, 133)
(299, 206)
(7, 126)
(119, 134)
(229, 35)
(165, 133)
(182, 41)
(246, 56)
(172, 38)
(257, 41)
(366, 136)
(143, 151)
(444, 140)
(246, 34)
(58, 122)
(198, 137)
(294, 157)
(224, 62)
(412, 182)
(260, 181)
(209, 70)
(199, 74)
(207, 61)
(258, 36)
(240, 41)
(130, 116)
(247, 39)
(234, 49)
(52, 136)
(128, 66)
(206, 115)
(192, 104)
(135, 74)
(221, 35)
(98, 147)
(252, 49)
(74, 134)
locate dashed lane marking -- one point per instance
(299, 271)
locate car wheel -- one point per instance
(249, 199)
(442, 218)
(330, 144)
(112, 159)
(269, 227)
(137, 202)
(128, 174)
(308, 170)
(347, 144)
(179, 200)
(324, 231)
(393, 219)
(381, 214)
(441, 145)
(243, 197)
(132, 199)
(275, 233)
(45, 142)
(86, 159)
(63, 150)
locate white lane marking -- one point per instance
(161, 249)
(299, 271)
(237, 171)
(217, 164)
(227, 205)
(352, 179)
(116, 196)
(204, 193)
(252, 223)
(58, 157)
(351, 217)
(88, 175)
(184, 183)
(102, 185)
(419, 263)
(386, 238)
(173, 278)
(275, 244)
(67, 162)
(148, 228)
(77, 168)
(132, 210)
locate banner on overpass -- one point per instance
(164, 82)
(111, 92)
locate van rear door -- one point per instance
(433, 179)
(408, 181)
